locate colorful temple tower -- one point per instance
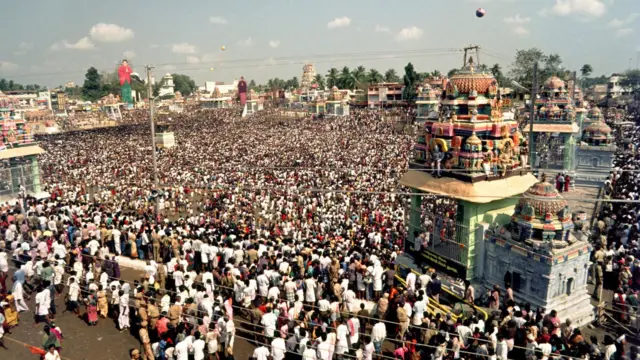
(555, 128)
(337, 104)
(471, 154)
(541, 255)
(595, 153)
(427, 105)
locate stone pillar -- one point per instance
(35, 175)
(415, 224)
(478, 269)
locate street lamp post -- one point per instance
(153, 132)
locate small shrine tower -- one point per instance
(595, 154)
(541, 255)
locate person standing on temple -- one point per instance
(567, 182)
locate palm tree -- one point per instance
(391, 76)
(319, 80)
(346, 79)
(360, 73)
(374, 76)
(586, 70)
(332, 77)
(436, 73)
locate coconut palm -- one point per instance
(374, 76)
(332, 77)
(391, 76)
(319, 80)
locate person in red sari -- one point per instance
(92, 309)
(567, 182)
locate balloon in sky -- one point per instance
(223, 48)
(210, 69)
(481, 12)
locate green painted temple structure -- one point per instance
(470, 154)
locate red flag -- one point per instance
(35, 350)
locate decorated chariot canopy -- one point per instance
(554, 102)
(470, 137)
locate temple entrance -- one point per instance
(569, 288)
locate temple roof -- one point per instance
(554, 83)
(543, 198)
(598, 126)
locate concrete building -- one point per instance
(223, 88)
(385, 94)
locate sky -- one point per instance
(52, 42)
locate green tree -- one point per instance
(374, 76)
(391, 76)
(496, 71)
(4, 84)
(293, 83)
(252, 84)
(436, 73)
(346, 79)
(548, 65)
(631, 78)
(184, 84)
(332, 77)
(360, 73)
(319, 80)
(452, 72)
(586, 70)
(91, 89)
(410, 80)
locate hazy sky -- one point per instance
(51, 42)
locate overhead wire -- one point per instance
(270, 61)
(245, 330)
(368, 318)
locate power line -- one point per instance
(259, 62)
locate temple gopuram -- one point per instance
(542, 255)
(595, 153)
(470, 154)
(555, 127)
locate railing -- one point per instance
(14, 179)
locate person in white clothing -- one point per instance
(18, 296)
(261, 353)
(198, 347)
(278, 348)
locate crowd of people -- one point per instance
(616, 234)
(280, 233)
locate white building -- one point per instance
(167, 87)
(225, 89)
(614, 89)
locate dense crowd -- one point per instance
(275, 231)
(617, 232)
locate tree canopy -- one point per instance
(92, 89)
(184, 84)
(411, 80)
(548, 65)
